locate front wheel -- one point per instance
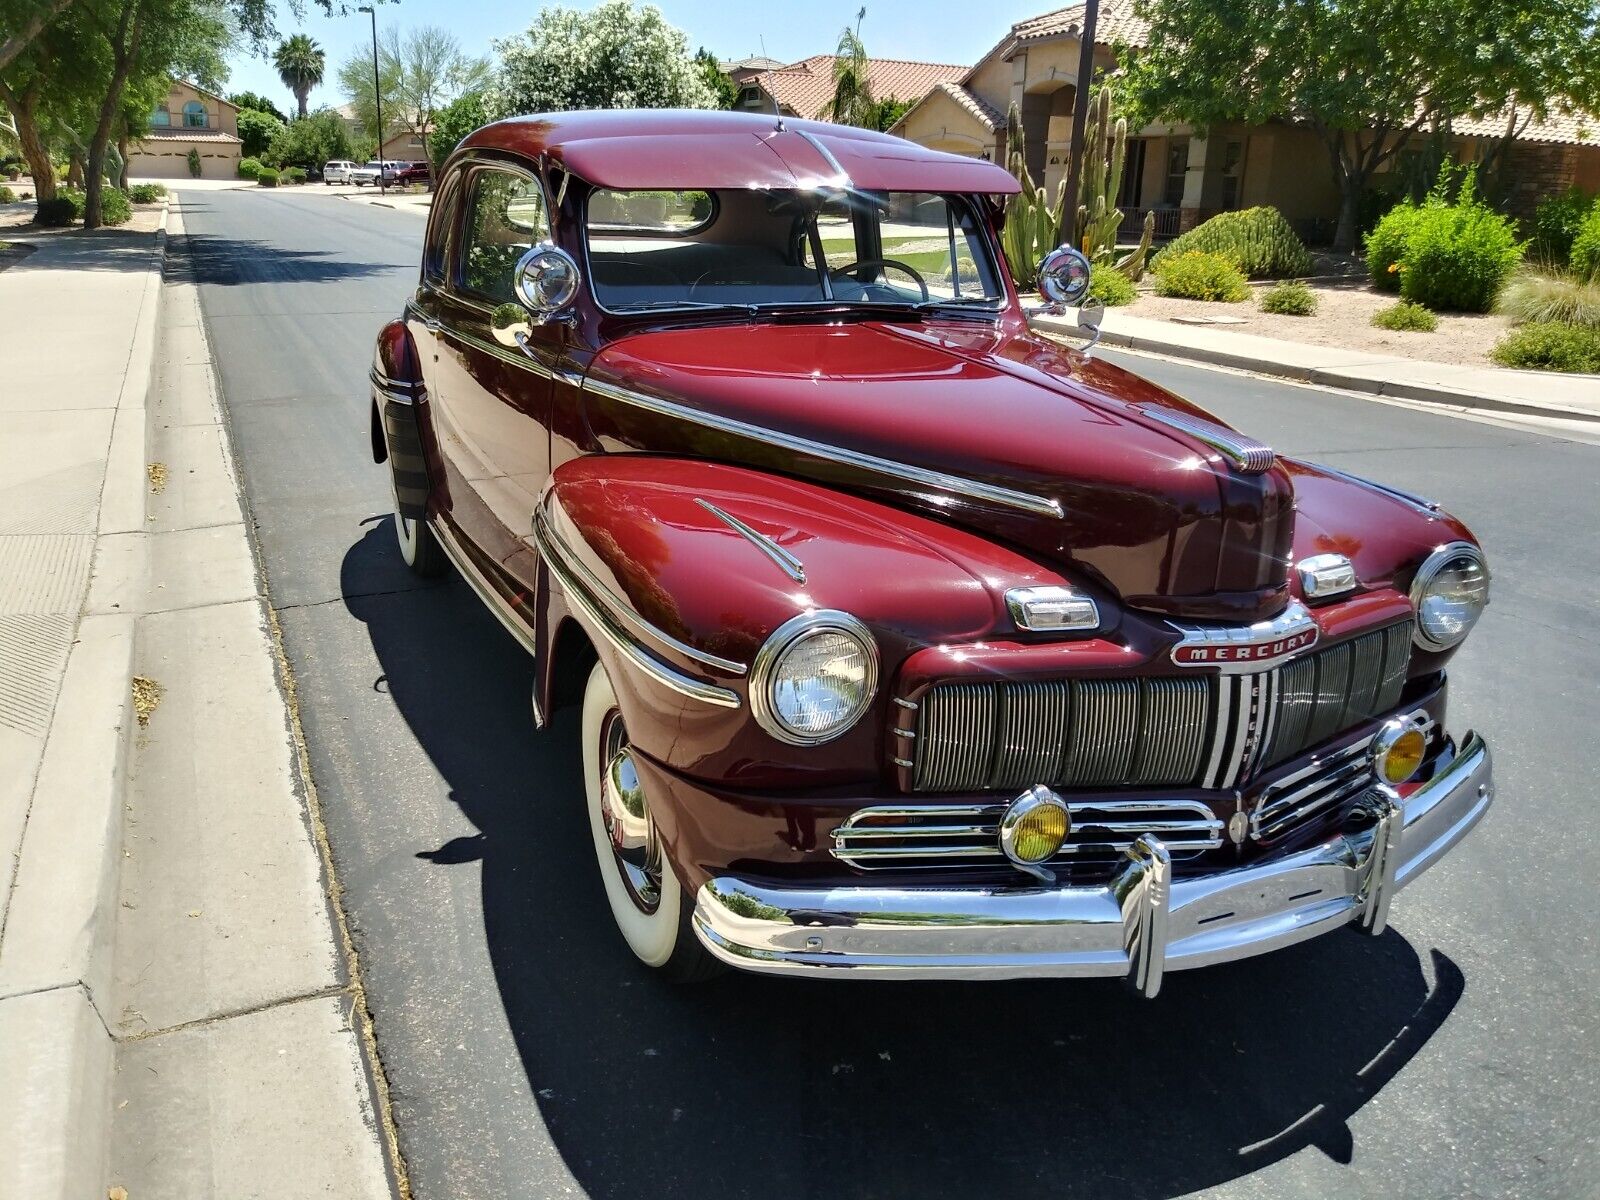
(647, 902)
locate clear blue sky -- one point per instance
(948, 31)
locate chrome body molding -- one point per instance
(938, 482)
(614, 606)
(1324, 575)
(841, 176)
(603, 625)
(1422, 504)
(786, 562)
(491, 597)
(398, 390)
(1245, 453)
(1232, 649)
(1139, 926)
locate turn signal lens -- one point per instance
(1035, 826)
(1398, 752)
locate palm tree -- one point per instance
(299, 63)
(852, 102)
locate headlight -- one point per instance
(814, 677)
(1449, 594)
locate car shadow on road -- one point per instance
(749, 1086)
(209, 259)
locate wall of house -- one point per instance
(1289, 169)
(220, 115)
(168, 158)
(941, 124)
(405, 145)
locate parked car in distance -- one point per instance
(904, 641)
(338, 170)
(415, 172)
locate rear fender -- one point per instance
(396, 420)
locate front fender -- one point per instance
(645, 541)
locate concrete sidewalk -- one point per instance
(176, 1012)
(1531, 393)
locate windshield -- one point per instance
(665, 250)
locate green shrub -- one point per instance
(1258, 241)
(1290, 299)
(1548, 346)
(1386, 245)
(56, 213)
(249, 168)
(1586, 246)
(114, 206)
(1563, 299)
(1111, 287)
(1460, 255)
(74, 197)
(292, 175)
(1407, 317)
(267, 178)
(1556, 223)
(194, 163)
(146, 193)
(7, 196)
(1197, 275)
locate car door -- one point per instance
(494, 410)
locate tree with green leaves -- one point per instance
(1367, 76)
(421, 71)
(299, 62)
(255, 102)
(615, 55)
(256, 131)
(722, 88)
(454, 121)
(311, 141)
(853, 102)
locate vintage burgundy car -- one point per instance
(908, 643)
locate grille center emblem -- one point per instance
(1240, 648)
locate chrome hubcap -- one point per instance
(634, 844)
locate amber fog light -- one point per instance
(1035, 826)
(1397, 752)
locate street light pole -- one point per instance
(1080, 117)
(377, 89)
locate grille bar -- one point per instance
(1202, 730)
(1320, 788)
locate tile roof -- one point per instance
(178, 133)
(1117, 22)
(806, 87)
(1574, 129)
(980, 108)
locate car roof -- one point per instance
(691, 148)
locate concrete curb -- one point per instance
(1331, 377)
(58, 960)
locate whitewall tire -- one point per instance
(418, 547)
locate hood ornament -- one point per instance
(1245, 453)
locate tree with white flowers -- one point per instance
(616, 55)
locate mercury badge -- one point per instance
(1239, 648)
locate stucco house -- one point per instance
(805, 88)
(1171, 169)
(189, 118)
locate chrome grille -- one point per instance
(1200, 730)
(1320, 788)
(939, 835)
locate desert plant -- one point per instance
(1458, 256)
(1033, 220)
(1586, 246)
(114, 206)
(146, 193)
(1198, 275)
(292, 175)
(1111, 287)
(1386, 245)
(1095, 225)
(1290, 298)
(1531, 297)
(56, 212)
(1550, 346)
(1405, 316)
(1258, 240)
(194, 164)
(7, 196)
(267, 177)
(1556, 222)
(249, 168)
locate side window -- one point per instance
(442, 222)
(836, 230)
(505, 219)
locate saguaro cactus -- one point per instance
(1033, 221)
(1105, 153)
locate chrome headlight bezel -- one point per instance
(1427, 574)
(770, 658)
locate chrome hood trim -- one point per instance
(1244, 452)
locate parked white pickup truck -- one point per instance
(367, 173)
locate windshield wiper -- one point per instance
(684, 306)
(840, 308)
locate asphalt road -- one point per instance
(1458, 1055)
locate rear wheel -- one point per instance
(649, 905)
(418, 546)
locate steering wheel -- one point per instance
(881, 262)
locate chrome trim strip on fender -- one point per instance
(1247, 454)
(614, 605)
(486, 590)
(939, 481)
(668, 677)
(786, 562)
(1422, 504)
(397, 390)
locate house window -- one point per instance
(194, 115)
(1177, 169)
(1131, 190)
(161, 119)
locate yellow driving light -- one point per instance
(1397, 752)
(1035, 826)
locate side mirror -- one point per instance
(510, 325)
(1064, 276)
(546, 280)
(1091, 315)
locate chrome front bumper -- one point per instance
(1140, 925)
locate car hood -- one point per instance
(994, 429)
